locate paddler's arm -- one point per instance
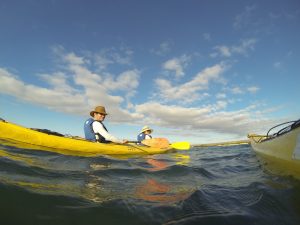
(98, 128)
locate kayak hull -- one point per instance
(68, 145)
(281, 153)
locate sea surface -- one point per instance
(212, 185)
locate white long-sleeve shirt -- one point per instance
(147, 136)
(98, 128)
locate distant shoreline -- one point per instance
(227, 143)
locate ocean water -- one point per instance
(213, 185)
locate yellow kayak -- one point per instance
(32, 139)
(281, 149)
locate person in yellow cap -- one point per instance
(94, 129)
(145, 134)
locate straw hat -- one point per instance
(145, 128)
(98, 109)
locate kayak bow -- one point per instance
(281, 149)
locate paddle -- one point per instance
(181, 145)
(164, 143)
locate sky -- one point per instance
(201, 71)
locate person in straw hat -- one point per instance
(145, 134)
(95, 130)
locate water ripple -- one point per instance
(217, 185)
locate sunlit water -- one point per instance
(216, 185)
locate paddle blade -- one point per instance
(181, 145)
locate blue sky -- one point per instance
(198, 71)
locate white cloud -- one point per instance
(201, 120)
(102, 61)
(198, 119)
(91, 88)
(84, 77)
(221, 95)
(74, 59)
(237, 90)
(224, 50)
(207, 36)
(170, 115)
(245, 18)
(174, 65)
(189, 91)
(205, 119)
(113, 56)
(10, 84)
(77, 89)
(164, 48)
(51, 98)
(243, 48)
(177, 65)
(251, 21)
(242, 90)
(219, 105)
(277, 65)
(253, 89)
(57, 80)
